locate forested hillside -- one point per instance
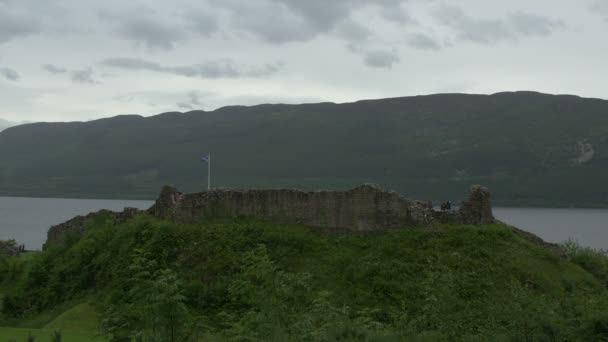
(528, 148)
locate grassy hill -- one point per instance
(257, 281)
(529, 148)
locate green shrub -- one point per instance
(256, 281)
(593, 260)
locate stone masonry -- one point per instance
(366, 208)
(75, 227)
(478, 208)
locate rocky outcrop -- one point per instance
(365, 208)
(74, 228)
(477, 209)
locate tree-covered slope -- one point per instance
(256, 281)
(529, 148)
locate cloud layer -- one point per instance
(15, 24)
(225, 68)
(79, 76)
(491, 31)
(9, 74)
(66, 59)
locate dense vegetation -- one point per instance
(256, 281)
(430, 147)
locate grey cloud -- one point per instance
(16, 25)
(396, 14)
(201, 22)
(193, 102)
(184, 105)
(268, 21)
(84, 76)
(381, 58)
(53, 69)
(150, 33)
(326, 13)
(600, 7)
(9, 74)
(353, 31)
(534, 25)
(482, 31)
(490, 31)
(124, 98)
(225, 68)
(421, 41)
(282, 21)
(144, 27)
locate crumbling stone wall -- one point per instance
(477, 209)
(365, 208)
(74, 228)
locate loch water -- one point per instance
(587, 226)
(27, 220)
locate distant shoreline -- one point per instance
(495, 203)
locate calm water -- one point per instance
(28, 219)
(588, 226)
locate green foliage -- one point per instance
(592, 260)
(151, 306)
(246, 280)
(7, 248)
(44, 335)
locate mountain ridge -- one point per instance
(519, 144)
(224, 108)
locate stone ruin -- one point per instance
(75, 227)
(366, 208)
(478, 208)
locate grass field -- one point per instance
(21, 334)
(81, 317)
(78, 324)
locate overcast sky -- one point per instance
(64, 60)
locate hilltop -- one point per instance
(282, 265)
(429, 147)
(251, 280)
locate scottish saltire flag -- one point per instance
(205, 158)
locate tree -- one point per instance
(151, 306)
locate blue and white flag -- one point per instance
(205, 158)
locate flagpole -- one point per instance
(209, 173)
